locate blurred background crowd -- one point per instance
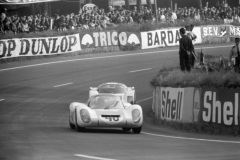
(99, 18)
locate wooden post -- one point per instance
(127, 4)
(139, 5)
(149, 5)
(200, 4)
(156, 13)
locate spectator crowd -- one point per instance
(99, 18)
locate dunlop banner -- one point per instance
(166, 37)
(220, 106)
(39, 46)
(108, 38)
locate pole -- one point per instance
(200, 4)
(156, 13)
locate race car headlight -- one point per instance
(85, 116)
(136, 115)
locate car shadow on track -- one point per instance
(103, 130)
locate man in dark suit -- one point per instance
(185, 49)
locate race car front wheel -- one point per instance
(137, 130)
(72, 126)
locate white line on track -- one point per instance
(145, 99)
(185, 138)
(195, 139)
(92, 157)
(63, 85)
(113, 56)
(2, 100)
(140, 70)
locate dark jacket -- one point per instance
(185, 44)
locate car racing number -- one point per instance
(112, 119)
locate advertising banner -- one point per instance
(131, 2)
(220, 106)
(171, 103)
(25, 1)
(234, 31)
(19, 47)
(166, 37)
(215, 31)
(108, 38)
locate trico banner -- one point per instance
(39, 46)
(109, 38)
(166, 37)
(220, 106)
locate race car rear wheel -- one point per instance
(126, 129)
(137, 130)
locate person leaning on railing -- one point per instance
(234, 56)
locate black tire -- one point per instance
(126, 129)
(79, 129)
(137, 130)
(72, 126)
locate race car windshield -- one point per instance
(112, 88)
(106, 102)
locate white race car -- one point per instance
(115, 88)
(106, 110)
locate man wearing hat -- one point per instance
(234, 56)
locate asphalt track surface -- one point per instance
(34, 102)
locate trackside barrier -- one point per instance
(208, 105)
(173, 104)
(107, 41)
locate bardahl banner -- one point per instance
(215, 31)
(108, 38)
(166, 37)
(220, 106)
(19, 47)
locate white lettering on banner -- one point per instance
(210, 31)
(39, 46)
(166, 37)
(172, 103)
(214, 31)
(234, 31)
(89, 7)
(109, 38)
(218, 112)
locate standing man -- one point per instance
(192, 36)
(234, 56)
(185, 49)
